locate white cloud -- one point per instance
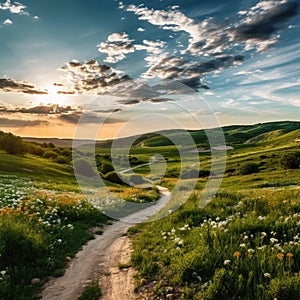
(14, 8)
(36, 17)
(7, 22)
(203, 36)
(140, 29)
(116, 46)
(151, 47)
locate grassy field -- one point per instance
(243, 245)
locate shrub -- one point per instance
(91, 292)
(285, 288)
(12, 144)
(290, 160)
(35, 149)
(50, 154)
(62, 160)
(113, 177)
(20, 244)
(106, 167)
(249, 168)
(83, 167)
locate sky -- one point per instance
(134, 66)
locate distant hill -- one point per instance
(234, 134)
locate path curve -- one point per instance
(100, 255)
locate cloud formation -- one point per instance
(264, 20)
(116, 47)
(212, 47)
(14, 8)
(7, 22)
(10, 122)
(90, 77)
(13, 86)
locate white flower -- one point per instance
(267, 275)
(205, 285)
(59, 240)
(250, 250)
(226, 262)
(273, 240)
(3, 272)
(242, 245)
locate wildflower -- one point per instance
(205, 285)
(226, 262)
(237, 254)
(59, 240)
(242, 245)
(250, 250)
(267, 275)
(273, 240)
(280, 255)
(289, 255)
(3, 273)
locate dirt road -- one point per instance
(98, 260)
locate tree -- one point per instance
(290, 160)
(12, 144)
(249, 168)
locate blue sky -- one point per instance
(241, 58)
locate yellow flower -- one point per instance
(280, 255)
(289, 255)
(237, 253)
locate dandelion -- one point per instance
(237, 254)
(226, 262)
(280, 255)
(267, 275)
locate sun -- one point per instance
(53, 97)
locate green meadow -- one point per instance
(244, 244)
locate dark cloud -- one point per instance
(267, 22)
(7, 122)
(190, 74)
(86, 118)
(144, 100)
(106, 111)
(40, 109)
(13, 86)
(65, 92)
(91, 77)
